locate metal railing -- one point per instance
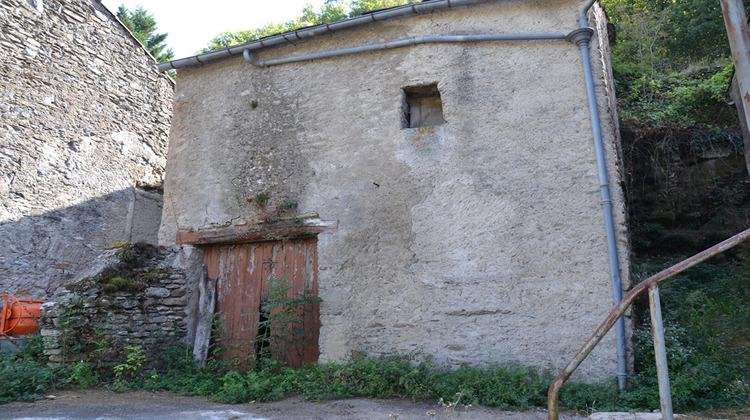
(652, 285)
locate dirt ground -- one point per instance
(105, 404)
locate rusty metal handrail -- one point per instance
(619, 310)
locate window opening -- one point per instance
(422, 106)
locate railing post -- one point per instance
(660, 352)
(553, 406)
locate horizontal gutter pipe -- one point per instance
(313, 31)
(614, 260)
(405, 43)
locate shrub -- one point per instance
(22, 378)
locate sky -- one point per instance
(191, 24)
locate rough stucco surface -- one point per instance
(479, 242)
(84, 127)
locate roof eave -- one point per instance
(313, 31)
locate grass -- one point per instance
(707, 332)
(396, 376)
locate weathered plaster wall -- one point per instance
(84, 126)
(480, 241)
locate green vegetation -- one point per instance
(25, 375)
(707, 334)
(687, 190)
(708, 329)
(281, 325)
(672, 66)
(143, 27)
(131, 369)
(131, 273)
(331, 11)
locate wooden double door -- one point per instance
(242, 272)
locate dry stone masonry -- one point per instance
(149, 300)
(84, 123)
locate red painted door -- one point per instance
(242, 271)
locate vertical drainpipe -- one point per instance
(581, 37)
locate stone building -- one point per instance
(442, 197)
(84, 124)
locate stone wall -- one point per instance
(84, 123)
(479, 241)
(154, 299)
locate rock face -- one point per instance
(84, 123)
(477, 241)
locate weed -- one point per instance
(130, 273)
(281, 327)
(450, 409)
(706, 334)
(167, 352)
(129, 372)
(23, 378)
(116, 284)
(83, 375)
(76, 334)
(259, 200)
(288, 204)
(34, 348)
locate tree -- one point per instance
(331, 11)
(668, 35)
(143, 26)
(670, 63)
(359, 7)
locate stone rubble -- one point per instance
(133, 318)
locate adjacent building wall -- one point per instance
(480, 241)
(84, 123)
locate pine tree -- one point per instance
(143, 26)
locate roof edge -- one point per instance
(311, 32)
(115, 20)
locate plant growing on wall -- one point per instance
(128, 373)
(281, 328)
(78, 339)
(285, 209)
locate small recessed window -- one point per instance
(422, 106)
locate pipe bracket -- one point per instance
(580, 36)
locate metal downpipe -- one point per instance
(582, 37)
(583, 21)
